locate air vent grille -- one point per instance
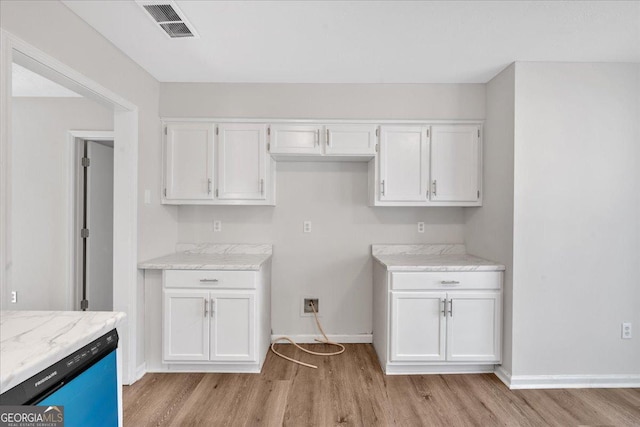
(162, 12)
(177, 29)
(167, 16)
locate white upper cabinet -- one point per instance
(455, 163)
(431, 165)
(348, 140)
(242, 162)
(403, 164)
(189, 161)
(295, 139)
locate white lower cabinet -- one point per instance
(224, 322)
(434, 329)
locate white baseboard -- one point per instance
(140, 371)
(427, 369)
(344, 339)
(515, 382)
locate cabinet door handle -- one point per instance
(444, 307)
(208, 280)
(450, 308)
(317, 136)
(434, 185)
(328, 138)
(262, 187)
(213, 306)
(205, 307)
(209, 186)
(449, 282)
(382, 187)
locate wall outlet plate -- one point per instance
(217, 225)
(306, 226)
(305, 307)
(626, 331)
(14, 297)
(421, 227)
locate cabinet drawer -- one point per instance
(210, 279)
(447, 280)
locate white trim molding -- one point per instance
(311, 339)
(515, 382)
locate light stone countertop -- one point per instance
(431, 258)
(31, 341)
(211, 257)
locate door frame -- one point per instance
(125, 181)
(75, 137)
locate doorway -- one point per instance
(94, 225)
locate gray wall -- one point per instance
(489, 229)
(333, 262)
(42, 200)
(576, 271)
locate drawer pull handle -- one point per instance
(444, 308)
(449, 282)
(205, 307)
(208, 280)
(450, 308)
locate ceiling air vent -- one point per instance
(169, 18)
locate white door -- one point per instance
(455, 163)
(473, 326)
(295, 139)
(350, 139)
(185, 332)
(189, 161)
(404, 163)
(99, 260)
(417, 326)
(233, 331)
(242, 162)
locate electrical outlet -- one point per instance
(626, 331)
(421, 227)
(14, 297)
(306, 306)
(306, 226)
(217, 225)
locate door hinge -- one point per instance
(427, 133)
(478, 194)
(268, 146)
(377, 131)
(86, 162)
(216, 192)
(84, 233)
(269, 131)
(165, 130)
(217, 130)
(377, 147)
(165, 192)
(478, 133)
(84, 304)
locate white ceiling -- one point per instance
(25, 82)
(366, 41)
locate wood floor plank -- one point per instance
(351, 390)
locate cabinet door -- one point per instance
(473, 326)
(350, 139)
(404, 162)
(417, 326)
(295, 139)
(455, 163)
(242, 162)
(233, 332)
(185, 332)
(189, 161)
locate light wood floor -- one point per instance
(350, 389)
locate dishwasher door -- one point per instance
(91, 398)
